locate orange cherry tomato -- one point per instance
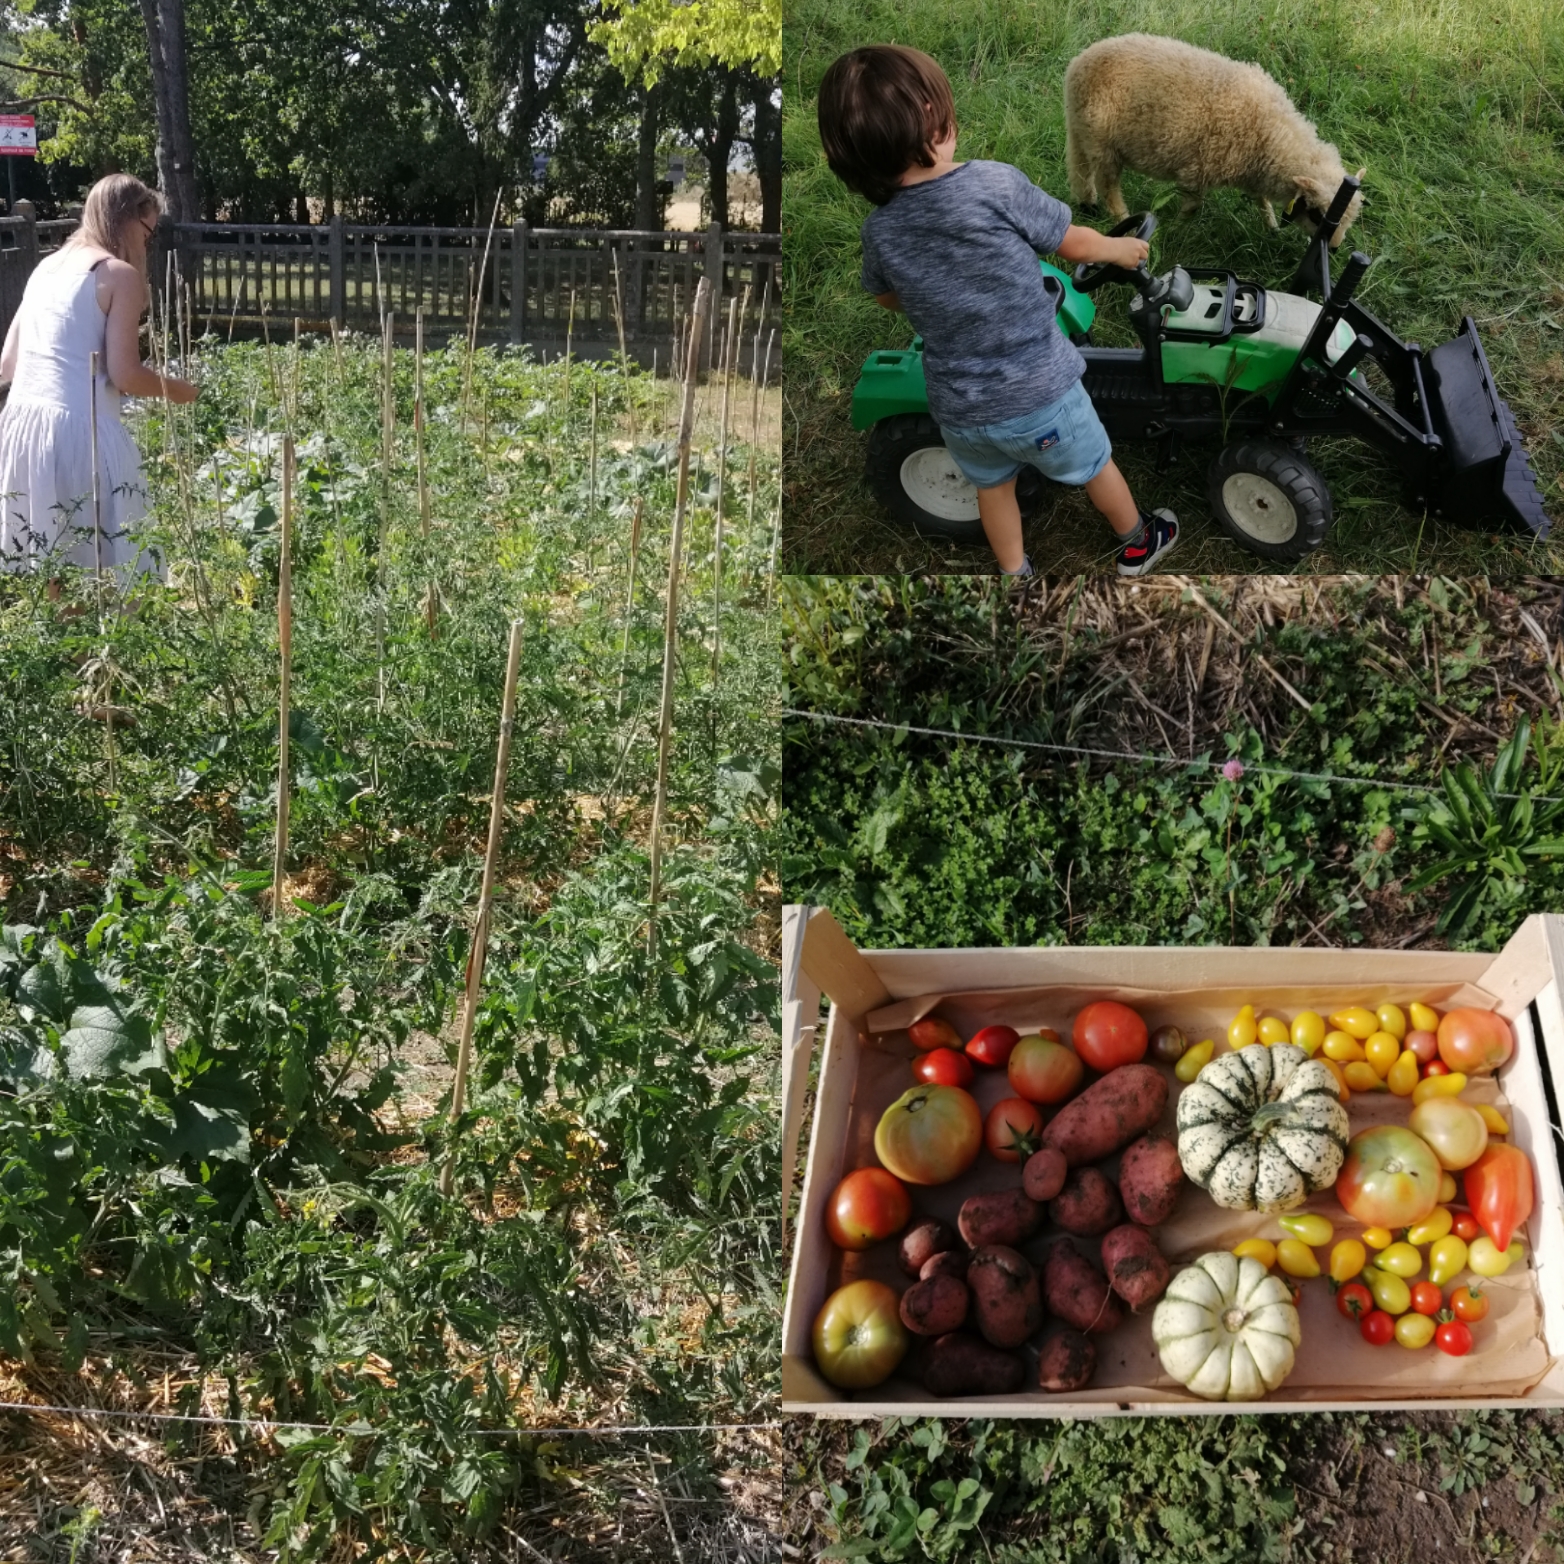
(1469, 1303)
(1464, 1226)
(1435, 1067)
(1427, 1297)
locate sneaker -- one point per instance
(1158, 533)
(1024, 571)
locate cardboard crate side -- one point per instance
(1534, 1133)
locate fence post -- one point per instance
(337, 250)
(518, 283)
(715, 270)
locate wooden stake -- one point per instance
(776, 538)
(97, 554)
(624, 652)
(480, 933)
(284, 685)
(671, 624)
(298, 370)
(387, 422)
(418, 419)
(731, 344)
(754, 419)
(570, 326)
(624, 360)
(592, 480)
(477, 309)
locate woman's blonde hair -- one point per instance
(113, 202)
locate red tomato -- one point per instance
(1390, 1177)
(992, 1046)
(1355, 1301)
(1013, 1130)
(1108, 1034)
(1042, 1069)
(933, 1032)
(943, 1067)
(1435, 1067)
(930, 1135)
(1427, 1297)
(1378, 1328)
(1500, 1191)
(1464, 1226)
(1454, 1337)
(1475, 1041)
(858, 1335)
(1469, 1303)
(1424, 1044)
(865, 1207)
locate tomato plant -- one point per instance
(992, 1046)
(1390, 1177)
(1013, 1129)
(858, 1335)
(934, 1032)
(867, 1206)
(1355, 1301)
(1042, 1069)
(1378, 1328)
(1108, 1034)
(930, 1134)
(943, 1067)
(1476, 1042)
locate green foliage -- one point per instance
(645, 37)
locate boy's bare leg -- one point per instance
(1111, 495)
(1001, 518)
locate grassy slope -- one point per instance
(1456, 110)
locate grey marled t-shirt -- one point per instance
(960, 252)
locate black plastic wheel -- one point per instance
(1267, 496)
(915, 478)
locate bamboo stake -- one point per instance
(570, 326)
(671, 625)
(731, 343)
(592, 480)
(754, 420)
(624, 651)
(477, 309)
(387, 422)
(298, 372)
(480, 933)
(284, 687)
(418, 419)
(97, 554)
(624, 359)
(776, 538)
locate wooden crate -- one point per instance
(862, 1069)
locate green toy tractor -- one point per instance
(1259, 369)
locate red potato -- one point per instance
(1150, 1176)
(1043, 1176)
(935, 1307)
(948, 1262)
(1067, 1362)
(922, 1241)
(1136, 1270)
(963, 1365)
(1109, 1114)
(1007, 1304)
(1007, 1217)
(1088, 1204)
(1076, 1291)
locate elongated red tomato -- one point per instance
(930, 1135)
(867, 1206)
(934, 1032)
(943, 1067)
(1500, 1191)
(1108, 1034)
(992, 1046)
(1013, 1130)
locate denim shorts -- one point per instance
(1065, 441)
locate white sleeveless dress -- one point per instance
(46, 509)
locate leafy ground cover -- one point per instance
(1455, 111)
(222, 1130)
(915, 840)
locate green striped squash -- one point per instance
(1262, 1129)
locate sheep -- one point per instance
(1176, 112)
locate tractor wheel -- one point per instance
(1265, 495)
(915, 478)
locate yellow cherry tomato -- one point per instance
(1434, 1227)
(1446, 1260)
(1415, 1330)
(1242, 1030)
(1485, 1257)
(1356, 1022)
(1382, 1050)
(1343, 1091)
(1446, 1188)
(1496, 1121)
(1400, 1258)
(1423, 1018)
(1192, 1059)
(1273, 1031)
(1342, 1047)
(1347, 1260)
(1296, 1258)
(1261, 1249)
(1362, 1077)
(1392, 1020)
(1314, 1230)
(1451, 1085)
(1378, 1237)
(1308, 1031)
(1391, 1293)
(1402, 1079)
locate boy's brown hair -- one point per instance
(882, 108)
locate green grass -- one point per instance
(1457, 111)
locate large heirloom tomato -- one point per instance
(1475, 1042)
(1042, 1069)
(1108, 1034)
(930, 1135)
(865, 1207)
(858, 1336)
(1390, 1178)
(1454, 1130)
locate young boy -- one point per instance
(955, 246)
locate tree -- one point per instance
(766, 144)
(165, 25)
(646, 37)
(704, 103)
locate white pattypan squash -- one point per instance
(1226, 1328)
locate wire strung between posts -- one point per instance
(1199, 762)
(363, 1430)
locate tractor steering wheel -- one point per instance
(1090, 277)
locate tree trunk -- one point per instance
(647, 216)
(768, 155)
(720, 150)
(165, 25)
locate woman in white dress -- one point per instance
(86, 298)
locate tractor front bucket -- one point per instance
(1486, 476)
